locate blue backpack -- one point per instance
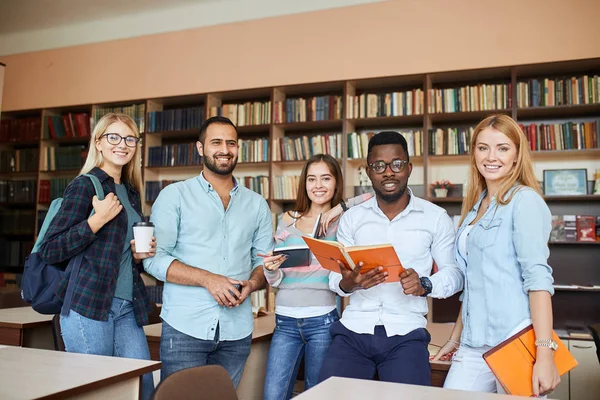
(40, 280)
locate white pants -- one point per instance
(470, 372)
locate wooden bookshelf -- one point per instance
(427, 168)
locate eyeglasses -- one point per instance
(115, 139)
(396, 165)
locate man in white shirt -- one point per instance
(383, 330)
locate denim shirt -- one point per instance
(507, 256)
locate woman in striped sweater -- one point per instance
(305, 307)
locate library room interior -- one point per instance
(162, 162)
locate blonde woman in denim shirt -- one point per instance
(502, 248)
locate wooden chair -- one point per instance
(210, 382)
(595, 329)
(59, 345)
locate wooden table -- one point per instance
(24, 327)
(34, 373)
(348, 389)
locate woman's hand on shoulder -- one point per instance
(328, 218)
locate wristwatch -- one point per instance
(427, 285)
(343, 205)
(547, 343)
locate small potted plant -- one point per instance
(440, 188)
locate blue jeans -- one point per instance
(120, 336)
(398, 358)
(180, 351)
(292, 339)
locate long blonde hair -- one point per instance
(132, 171)
(522, 173)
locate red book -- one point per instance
(586, 228)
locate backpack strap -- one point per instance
(75, 262)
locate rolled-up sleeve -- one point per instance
(69, 233)
(532, 223)
(262, 241)
(449, 279)
(166, 215)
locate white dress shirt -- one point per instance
(420, 234)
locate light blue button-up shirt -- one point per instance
(192, 226)
(507, 256)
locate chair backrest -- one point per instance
(211, 382)
(595, 329)
(59, 345)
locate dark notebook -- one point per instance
(298, 255)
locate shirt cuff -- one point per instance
(272, 276)
(158, 266)
(334, 284)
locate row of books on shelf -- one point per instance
(285, 187)
(481, 97)
(175, 119)
(550, 92)
(394, 104)
(20, 160)
(137, 112)
(17, 222)
(61, 158)
(8, 280)
(259, 184)
(563, 136)
(358, 143)
(68, 125)
(51, 189)
(253, 150)
(13, 253)
(41, 215)
(249, 113)
(317, 108)
(153, 188)
(17, 191)
(303, 147)
(575, 228)
(20, 130)
(262, 301)
(172, 155)
(450, 141)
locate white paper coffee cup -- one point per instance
(142, 234)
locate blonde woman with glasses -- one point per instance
(109, 304)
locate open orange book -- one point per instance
(328, 252)
(512, 361)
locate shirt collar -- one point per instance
(414, 204)
(208, 187)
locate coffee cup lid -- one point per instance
(143, 223)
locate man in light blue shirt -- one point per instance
(209, 232)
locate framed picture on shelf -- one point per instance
(565, 182)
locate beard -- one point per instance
(391, 197)
(211, 164)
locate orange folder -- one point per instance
(512, 361)
(328, 252)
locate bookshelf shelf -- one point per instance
(180, 134)
(25, 143)
(17, 205)
(298, 163)
(448, 157)
(21, 174)
(250, 129)
(575, 288)
(192, 169)
(556, 154)
(574, 243)
(302, 127)
(465, 116)
(11, 270)
(363, 161)
(577, 110)
(446, 199)
(589, 197)
(392, 122)
(62, 172)
(68, 140)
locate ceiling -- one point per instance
(28, 15)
